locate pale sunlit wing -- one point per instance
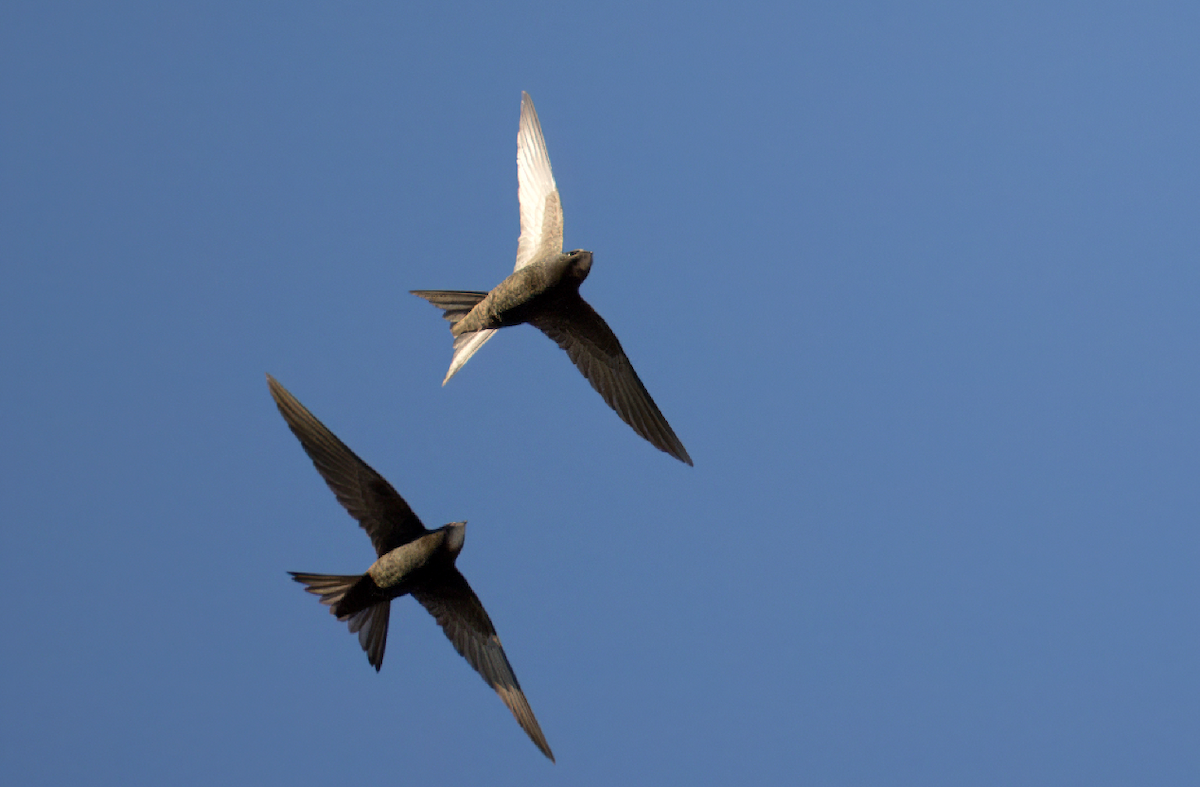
(541, 209)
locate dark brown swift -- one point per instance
(412, 560)
(543, 290)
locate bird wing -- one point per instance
(541, 208)
(461, 615)
(593, 347)
(364, 493)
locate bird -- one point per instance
(411, 560)
(543, 290)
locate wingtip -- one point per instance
(673, 448)
(278, 392)
(539, 740)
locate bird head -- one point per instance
(579, 264)
(456, 535)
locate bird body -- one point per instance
(528, 293)
(431, 551)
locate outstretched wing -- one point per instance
(364, 493)
(593, 347)
(541, 208)
(460, 614)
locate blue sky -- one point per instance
(916, 285)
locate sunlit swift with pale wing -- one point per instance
(543, 290)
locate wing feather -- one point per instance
(594, 349)
(461, 615)
(541, 207)
(370, 499)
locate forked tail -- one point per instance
(456, 304)
(351, 599)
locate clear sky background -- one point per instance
(916, 284)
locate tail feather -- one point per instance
(330, 587)
(456, 304)
(369, 620)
